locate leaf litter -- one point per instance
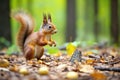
(82, 64)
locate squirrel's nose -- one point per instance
(55, 31)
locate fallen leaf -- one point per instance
(86, 68)
(97, 75)
(90, 61)
(113, 53)
(87, 53)
(70, 49)
(61, 67)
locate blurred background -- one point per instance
(76, 20)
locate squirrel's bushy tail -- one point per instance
(26, 28)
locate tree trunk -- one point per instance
(5, 30)
(96, 28)
(114, 22)
(71, 20)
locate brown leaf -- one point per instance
(86, 69)
(98, 75)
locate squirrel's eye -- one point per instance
(49, 27)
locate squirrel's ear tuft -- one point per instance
(49, 18)
(45, 19)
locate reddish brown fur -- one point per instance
(31, 42)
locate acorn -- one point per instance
(43, 71)
(4, 63)
(23, 71)
(72, 75)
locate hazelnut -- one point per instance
(4, 63)
(43, 71)
(23, 71)
(72, 75)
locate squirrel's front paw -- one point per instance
(54, 43)
(50, 43)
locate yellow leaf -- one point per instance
(70, 49)
(98, 75)
(88, 53)
(90, 61)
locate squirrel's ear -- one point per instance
(49, 18)
(45, 19)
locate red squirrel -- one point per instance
(31, 43)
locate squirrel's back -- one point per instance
(26, 27)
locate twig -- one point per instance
(107, 69)
(116, 62)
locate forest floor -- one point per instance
(85, 64)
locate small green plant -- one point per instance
(52, 50)
(12, 49)
(4, 43)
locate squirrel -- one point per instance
(32, 43)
